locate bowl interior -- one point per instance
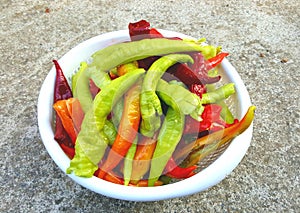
(213, 169)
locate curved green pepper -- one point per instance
(226, 114)
(100, 78)
(121, 53)
(177, 96)
(219, 94)
(110, 131)
(83, 66)
(128, 162)
(90, 147)
(106, 99)
(150, 103)
(168, 138)
(82, 90)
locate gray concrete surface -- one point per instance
(263, 39)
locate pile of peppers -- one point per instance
(144, 112)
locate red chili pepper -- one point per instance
(155, 34)
(198, 89)
(62, 91)
(174, 171)
(61, 136)
(139, 30)
(201, 68)
(213, 62)
(70, 152)
(197, 73)
(210, 115)
(127, 130)
(184, 74)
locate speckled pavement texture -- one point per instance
(263, 40)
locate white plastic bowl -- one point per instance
(206, 178)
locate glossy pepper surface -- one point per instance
(127, 131)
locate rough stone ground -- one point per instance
(263, 40)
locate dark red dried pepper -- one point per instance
(141, 29)
(62, 91)
(197, 73)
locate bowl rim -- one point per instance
(203, 180)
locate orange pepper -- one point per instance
(127, 130)
(71, 115)
(142, 158)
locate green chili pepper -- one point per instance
(90, 147)
(110, 131)
(83, 66)
(80, 84)
(221, 93)
(100, 78)
(128, 162)
(175, 95)
(106, 99)
(117, 112)
(168, 138)
(226, 114)
(82, 90)
(81, 165)
(150, 103)
(121, 53)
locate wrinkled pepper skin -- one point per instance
(90, 147)
(107, 98)
(128, 162)
(127, 130)
(62, 91)
(219, 94)
(150, 104)
(168, 138)
(177, 96)
(142, 158)
(123, 53)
